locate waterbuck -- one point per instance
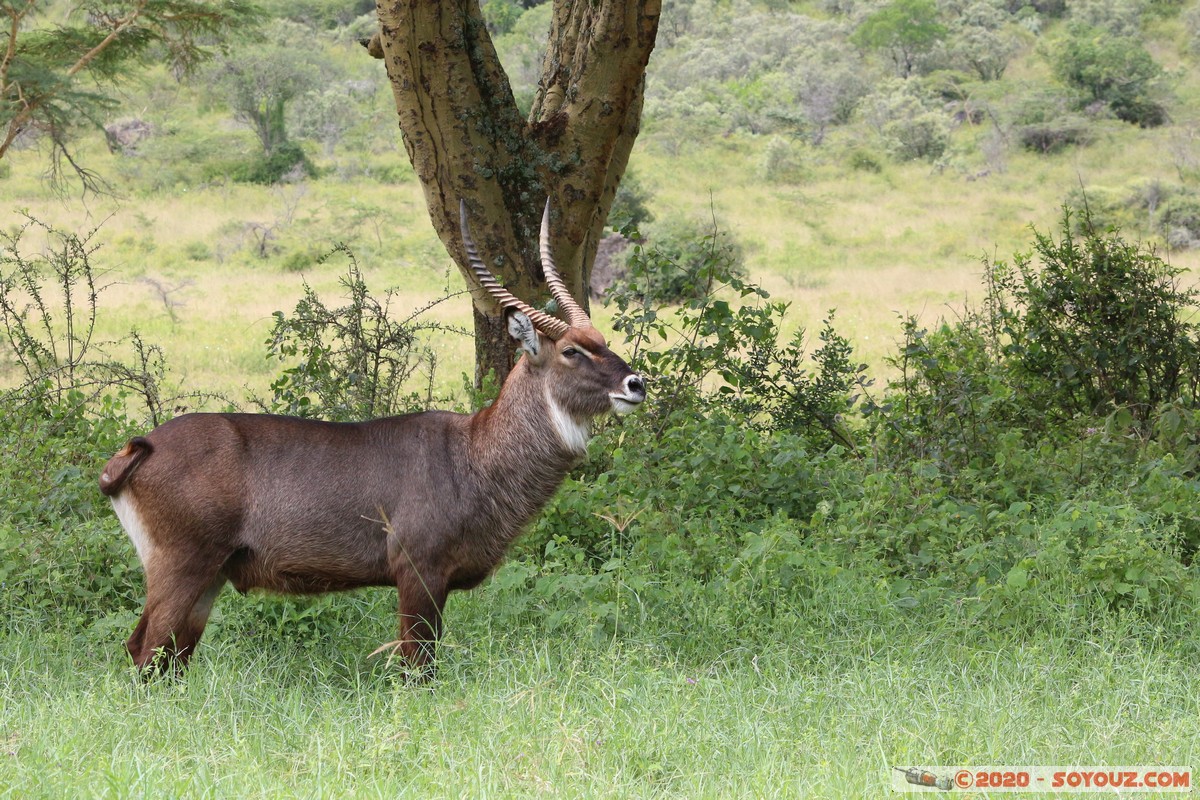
(426, 502)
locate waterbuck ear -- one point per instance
(521, 328)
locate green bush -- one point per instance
(1111, 69)
(1180, 220)
(62, 557)
(1044, 444)
(351, 362)
(1098, 327)
(1119, 554)
(302, 259)
(682, 262)
(781, 161)
(629, 211)
(286, 162)
(908, 120)
(1107, 208)
(1154, 208)
(1103, 324)
(863, 160)
(952, 400)
(1051, 137)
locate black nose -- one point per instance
(635, 384)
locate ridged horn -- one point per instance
(551, 326)
(575, 313)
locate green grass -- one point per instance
(824, 710)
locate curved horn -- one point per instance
(575, 314)
(551, 326)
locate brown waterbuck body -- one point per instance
(426, 502)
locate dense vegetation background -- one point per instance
(952, 521)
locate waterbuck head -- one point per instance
(581, 377)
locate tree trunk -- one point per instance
(494, 348)
(466, 138)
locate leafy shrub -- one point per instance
(57, 560)
(629, 210)
(780, 161)
(1107, 208)
(302, 259)
(1044, 122)
(1100, 328)
(863, 160)
(919, 136)
(622, 542)
(1152, 207)
(197, 250)
(952, 400)
(1121, 555)
(908, 121)
(774, 385)
(727, 360)
(287, 162)
(350, 362)
(49, 308)
(681, 264)
(725, 475)
(1051, 137)
(1116, 70)
(1180, 220)
(1103, 324)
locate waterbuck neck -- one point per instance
(516, 447)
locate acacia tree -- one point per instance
(54, 74)
(467, 138)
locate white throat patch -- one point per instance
(574, 435)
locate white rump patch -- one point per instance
(574, 435)
(131, 521)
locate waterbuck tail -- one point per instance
(123, 464)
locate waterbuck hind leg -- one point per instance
(188, 636)
(179, 599)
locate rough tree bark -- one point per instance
(466, 137)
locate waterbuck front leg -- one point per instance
(422, 596)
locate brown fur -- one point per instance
(427, 502)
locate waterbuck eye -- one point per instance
(570, 352)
